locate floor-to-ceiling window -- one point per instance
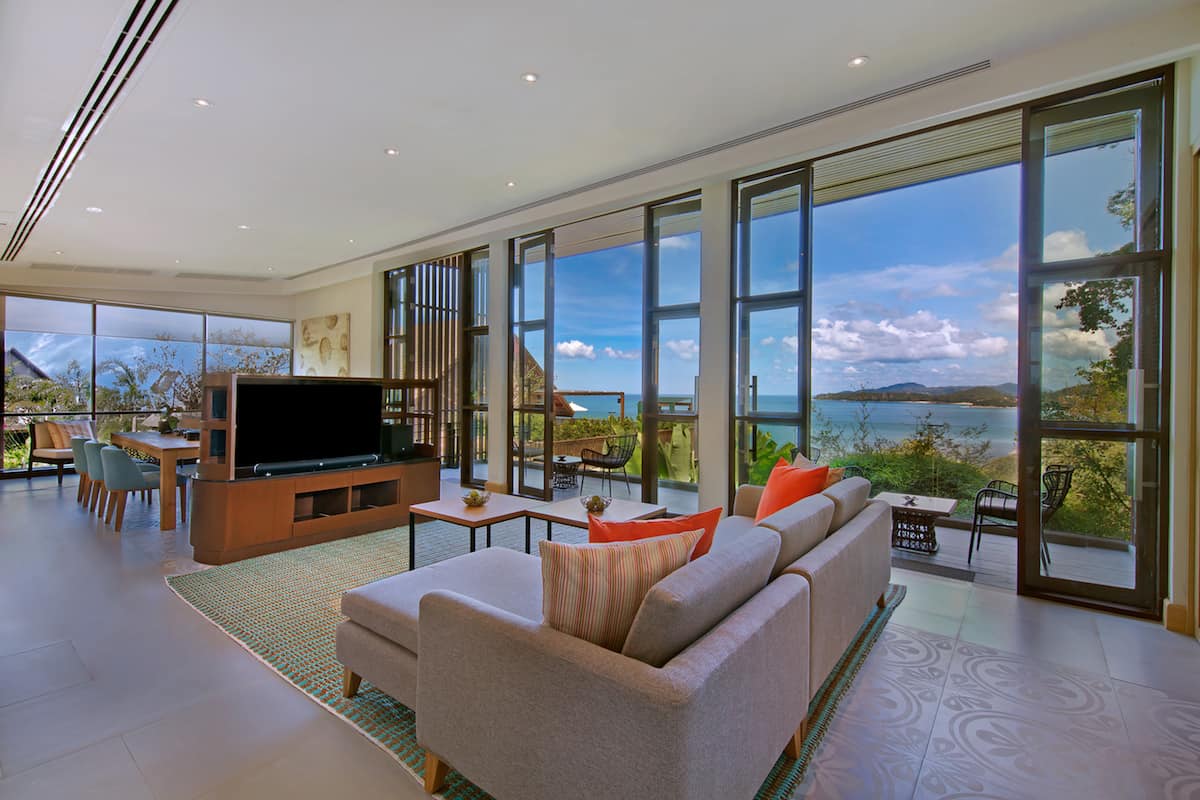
(119, 364)
(475, 368)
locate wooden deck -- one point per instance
(995, 562)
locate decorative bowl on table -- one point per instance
(476, 498)
(595, 503)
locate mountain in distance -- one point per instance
(1002, 395)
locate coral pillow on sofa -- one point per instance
(787, 485)
(600, 531)
(593, 591)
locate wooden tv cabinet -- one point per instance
(236, 519)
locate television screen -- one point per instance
(302, 419)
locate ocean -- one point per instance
(894, 421)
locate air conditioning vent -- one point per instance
(211, 276)
(137, 35)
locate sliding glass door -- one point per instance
(532, 314)
(1092, 348)
(475, 368)
(772, 338)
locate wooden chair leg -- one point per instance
(82, 490)
(183, 502)
(350, 683)
(121, 510)
(881, 601)
(111, 506)
(105, 496)
(797, 741)
(436, 771)
(94, 493)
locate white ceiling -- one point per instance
(306, 95)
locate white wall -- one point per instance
(363, 298)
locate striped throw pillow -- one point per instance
(593, 591)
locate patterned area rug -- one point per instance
(284, 607)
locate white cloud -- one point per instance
(575, 349)
(768, 341)
(624, 355)
(916, 337)
(1066, 245)
(944, 290)
(1076, 345)
(1001, 310)
(791, 344)
(686, 349)
(850, 371)
(676, 243)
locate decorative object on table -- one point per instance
(595, 504)
(476, 498)
(324, 346)
(246, 600)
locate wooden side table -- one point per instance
(914, 517)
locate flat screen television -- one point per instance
(302, 419)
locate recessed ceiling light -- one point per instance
(529, 77)
(270, 269)
(58, 252)
(858, 61)
(94, 210)
(391, 151)
(177, 261)
(350, 240)
(243, 227)
(511, 184)
(200, 102)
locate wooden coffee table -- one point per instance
(914, 517)
(500, 508)
(571, 512)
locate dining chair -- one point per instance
(122, 476)
(81, 470)
(97, 492)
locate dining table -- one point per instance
(167, 449)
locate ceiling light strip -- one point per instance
(122, 61)
(717, 148)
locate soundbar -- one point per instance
(313, 464)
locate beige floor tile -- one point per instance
(39, 671)
(1145, 653)
(1164, 732)
(104, 771)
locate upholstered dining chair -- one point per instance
(183, 475)
(122, 476)
(80, 455)
(95, 469)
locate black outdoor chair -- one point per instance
(996, 506)
(619, 452)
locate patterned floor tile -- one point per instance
(1165, 734)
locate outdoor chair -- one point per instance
(50, 443)
(996, 506)
(122, 475)
(618, 455)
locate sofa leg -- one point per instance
(881, 601)
(436, 771)
(350, 683)
(60, 474)
(797, 741)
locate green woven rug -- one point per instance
(284, 607)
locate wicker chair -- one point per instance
(618, 455)
(996, 506)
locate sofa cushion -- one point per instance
(53, 452)
(730, 530)
(593, 591)
(601, 531)
(787, 484)
(689, 602)
(801, 527)
(503, 578)
(835, 473)
(849, 497)
(61, 432)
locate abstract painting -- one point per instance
(324, 346)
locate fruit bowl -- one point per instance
(476, 498)
(595, 503)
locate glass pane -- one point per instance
(253, 332)
(759, 448)
(531, 437)
(678, 467)
(396, 361)
(774, 231)
(49, 316)
(148, 323)
(477, 445)
(249, 360)
(1088, 348)
(397, 285)
(479, 288)
(533, 280)
(147, 375)
(678, 364)
(532, 372)
(677, 247)
(772, 367)
(46, 372)
(1089, 505)
(477, 391)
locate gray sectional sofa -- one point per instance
(713, 682)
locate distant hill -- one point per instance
(1002, 395)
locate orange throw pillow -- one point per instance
(787, 485)
(835, 475)
(601, 531)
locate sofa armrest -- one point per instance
(847, 573)
(745, 500)
(527, 711)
